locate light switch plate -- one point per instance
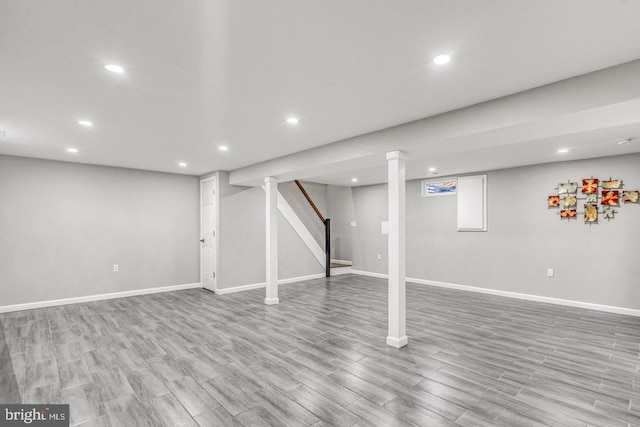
(384, 227)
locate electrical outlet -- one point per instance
(549, 272)
(116, 268)
(379, 257)
(354, 224)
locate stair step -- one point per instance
(338, 268)
(339, 265)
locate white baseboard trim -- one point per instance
(301, 278)
(370, 274)
(529, 297)
(342, 261)
(263, 284)
(99, 297)
(516, 295)
(338, 271)
(240, 288)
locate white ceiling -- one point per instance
(204, 73)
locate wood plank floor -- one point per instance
(192, 358)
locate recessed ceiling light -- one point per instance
(432, 169)
(86, 123)
(624, 141)
(563, 150)
(72, 150)
(114, 68)
(292, 120)
(354, 179)
(441, 59)
(182, 164)
(223, 148)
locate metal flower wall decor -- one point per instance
(598, 198)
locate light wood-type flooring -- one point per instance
(319, 358)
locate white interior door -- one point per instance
(208, 233)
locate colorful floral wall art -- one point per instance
(598, 197)
(567, 187)
(607, 212)
(590, 186)
(610, 198)
(611, 184)
(569, 201)
(568, 213)
(590, 213)
(630, 196)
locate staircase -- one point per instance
(336, 267)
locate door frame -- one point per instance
(208, 178)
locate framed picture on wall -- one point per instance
(440, 187)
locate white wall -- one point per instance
(371, 208)
(241, 237)
(594, 264)
(342, 212)
(64, 225)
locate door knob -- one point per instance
(201, 240)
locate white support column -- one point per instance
(397, 261)
(271, 214)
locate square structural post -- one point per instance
(397, 257)
(271, 214)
